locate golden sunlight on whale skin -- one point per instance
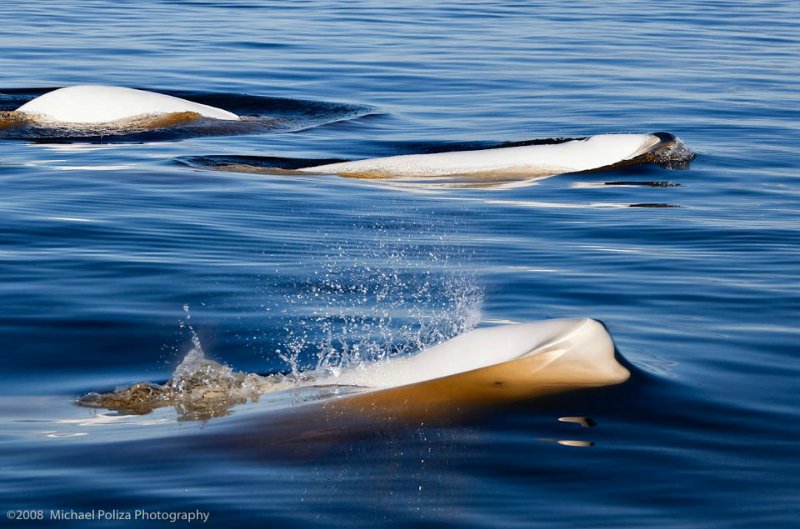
(487, 366)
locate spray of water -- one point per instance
(369, 303)
(366, 302)
(677, 156)
(200, 388)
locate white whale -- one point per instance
(482, 367)
(580, 341)
(572, 156)
(489, 365)
(471, 373)
(467, 374)
(96, 104)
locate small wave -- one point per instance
(625, 183)
(653, 205)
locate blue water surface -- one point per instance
(103, 243)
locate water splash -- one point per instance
(367, 304)
(677, 155)
(199, 389)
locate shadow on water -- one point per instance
(260, 115)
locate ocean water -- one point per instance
(118, 254)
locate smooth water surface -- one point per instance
(103, 241)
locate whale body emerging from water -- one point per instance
(603, 151)
(471, 373)
(579, 342)
(97, 104)
(486, 366)
(111, 109)
(480, 368)
(503, 164)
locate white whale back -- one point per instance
(95, 104)
(535, 160)
(582, 342)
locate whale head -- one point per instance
(670, 152)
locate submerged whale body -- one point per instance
(96, 104)
(604, 151)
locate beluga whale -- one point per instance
(485, 366)
(482, 367)
(93, 106)
(537, 160)
(108, 114)
(521, 161)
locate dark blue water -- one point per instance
(104, 240)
